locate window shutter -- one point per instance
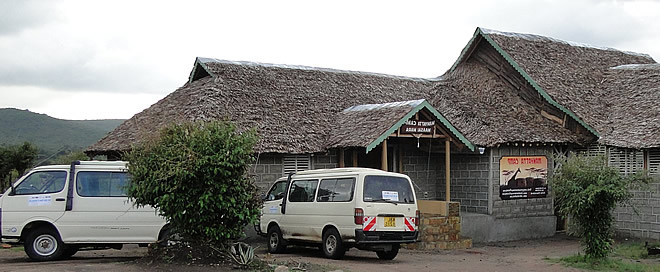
(296, 163)
(628, 161)
(654, 161)
(592, 150)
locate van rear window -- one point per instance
(387, 189)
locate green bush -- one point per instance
(195, 174)
(587, 191)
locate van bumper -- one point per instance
(385, 237)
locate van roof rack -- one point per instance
(337, 170)
(103, 163)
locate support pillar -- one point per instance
(355, 158)
(341, 157)
(383, 157)
(447, 168)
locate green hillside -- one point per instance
(50, 134)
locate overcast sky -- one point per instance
(112, 59)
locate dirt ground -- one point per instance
(510, 256)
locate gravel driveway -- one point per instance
(510, 256)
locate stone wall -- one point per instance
(645, 224)
(520, 207)
(325, 160)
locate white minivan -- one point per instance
(57, 210)
(341, 208)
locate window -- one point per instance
(336, 190)
(45, 182)
(102, 184)
(277, 191)
(296, 163)
(654, 161)
(627, 161)
(387, 189)
(303, 191)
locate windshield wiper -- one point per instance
(387, 200)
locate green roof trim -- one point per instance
(198, 63)
(509, 59)
(410, 114)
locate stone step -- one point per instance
(463, 243)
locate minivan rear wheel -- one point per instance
(276, 243)
(333, 247)
(389, 254)
(44, 244)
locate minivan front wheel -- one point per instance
(389, 254)
(276, 243)
(333, 247)
(44, 244)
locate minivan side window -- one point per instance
(45, 182)
(277, 191)
(336, 190)
(303, 191)
(102, 184)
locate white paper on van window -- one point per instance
(39, 201)
(391, 195)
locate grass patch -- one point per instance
(629, 256)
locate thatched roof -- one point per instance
(292, 107)
(367, 125)
(489, 112)
(295, 108)
(579, 78)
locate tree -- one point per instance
(195, 174)
(14, 160)
(587, 190)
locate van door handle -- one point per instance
(60, 199)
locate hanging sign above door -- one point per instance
(420, 126)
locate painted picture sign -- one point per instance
(523, 177)
(418, 126)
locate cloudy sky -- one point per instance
(112, 59)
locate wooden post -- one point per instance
(400, 159)
(341, 157)
(355, 157)
(383, 157)
(447, 167)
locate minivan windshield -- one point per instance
(387, 189)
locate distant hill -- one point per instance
(50, 134)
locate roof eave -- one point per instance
(419, 107)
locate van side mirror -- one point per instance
(12, 190)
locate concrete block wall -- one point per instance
(325, 160)
(266, 169)
(530, 207)
(645, 223)
(425, 172)
(469, 182)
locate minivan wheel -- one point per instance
(333, 247)
(275, 242)
(43, 244)
(390, 254)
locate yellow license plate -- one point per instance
(390, 222)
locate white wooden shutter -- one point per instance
(296, 163)
(628, 161)
(592, 150)
(654, 161)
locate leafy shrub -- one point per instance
(195, 174)
(14, 160)
(587, 190)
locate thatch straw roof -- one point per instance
(295, 108)
(367, 125)
(578, 77)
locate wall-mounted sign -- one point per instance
(523, 177)
(414, 126)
